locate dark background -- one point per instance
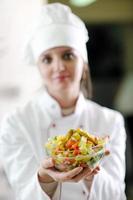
(107, 66)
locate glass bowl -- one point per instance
(65, 163)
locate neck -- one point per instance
(65, 99)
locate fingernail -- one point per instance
(98, 168)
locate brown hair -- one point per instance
(86, 83)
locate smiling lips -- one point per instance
(61, 77)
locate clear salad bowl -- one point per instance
(76, 148)
(63, 163)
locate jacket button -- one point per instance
(83, 192)
(53, 125)
(81, 126)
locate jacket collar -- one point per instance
(49, 104)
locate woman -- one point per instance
(57, 45)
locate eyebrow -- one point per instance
(63, 51)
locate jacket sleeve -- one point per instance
(20, 163)
(109, 183)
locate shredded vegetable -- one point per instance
(76, 148)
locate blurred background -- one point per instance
(110, 26)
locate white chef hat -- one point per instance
(55, 26)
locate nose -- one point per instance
(59, 65)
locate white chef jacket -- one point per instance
(24, 132)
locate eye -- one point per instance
(46, 60)
(69, 56)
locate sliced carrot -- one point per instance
(70, 143)
(75, 146)
(76, 152)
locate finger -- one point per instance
(94, 172)
(87, 172)
(96, 169)
(90, 176)
(47, 163)
(64, 176)
(70, 174)
(82, 175)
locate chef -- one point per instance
(57, 46)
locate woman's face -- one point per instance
(61, 69)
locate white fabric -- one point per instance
(124, 97)
(24, 133)
(55, 26)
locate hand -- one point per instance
(87, 173)
(47, 173)
(96, 170)
(89, 177)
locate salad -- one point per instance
(76, 148)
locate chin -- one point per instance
(62, 88)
